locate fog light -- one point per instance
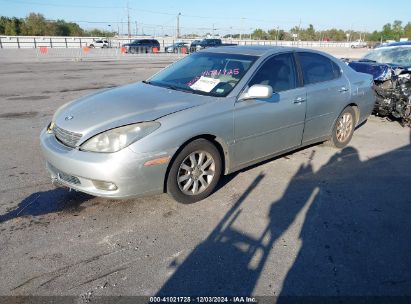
(102, 185)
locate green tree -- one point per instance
(407, 30)
(35, 25)
(259, 34)
(397, 29)
(13, 26)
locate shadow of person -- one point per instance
(41, 203)
(355, 237)
(217, 265)
(229, 262)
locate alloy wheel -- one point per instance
(196, 172)
(344, 127)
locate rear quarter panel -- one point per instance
(362, 92)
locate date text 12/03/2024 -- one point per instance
(203, 299)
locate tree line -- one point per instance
(390, 31)
(37, 25)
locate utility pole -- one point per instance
(242, 29)
(277, 36)
(136, 29)
(128, 21)
(178, 25)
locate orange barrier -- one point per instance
(184, 50)
(123, 50)
(86, 49)
(155, 50)
(44, 50)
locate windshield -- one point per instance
(395, 55)
(204, 73)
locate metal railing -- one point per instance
(117, 42)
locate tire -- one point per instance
(91, 46)
(343, 129)
(184, 175)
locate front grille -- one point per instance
(66, 137)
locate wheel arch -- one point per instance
(218, 142)
(356, 109)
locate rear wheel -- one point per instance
(195, 172)
(343, 129)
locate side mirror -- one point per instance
(257, 91)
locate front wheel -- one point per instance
(343, 129)
(195, 172)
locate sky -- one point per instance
(200, 16)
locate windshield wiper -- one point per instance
(366, 60)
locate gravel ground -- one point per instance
(318, 221)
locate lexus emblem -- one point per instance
(70, 117)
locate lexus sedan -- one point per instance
(211, 113)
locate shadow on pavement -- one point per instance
(355, 235)
(41, 203)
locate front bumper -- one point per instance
(86, 171)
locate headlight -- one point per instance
(116, 139)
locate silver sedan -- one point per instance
(211, 113)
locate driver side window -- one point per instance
(278, 72)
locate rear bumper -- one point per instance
(86, 171)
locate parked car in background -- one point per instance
(142, 46)
(194, 44)
(390, 66)
(101, 43)
(207, 43)
(358, 44)
(177, 47)
(211, 113)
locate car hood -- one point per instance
(124, 105)
(379, 71)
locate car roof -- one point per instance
(402, 43)
(255, 50)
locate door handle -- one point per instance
(342, 89)
(299, 100)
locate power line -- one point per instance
(273, 22)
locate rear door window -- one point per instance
(317, 68)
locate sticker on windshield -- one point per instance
(205, 84)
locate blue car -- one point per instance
(390, 66)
